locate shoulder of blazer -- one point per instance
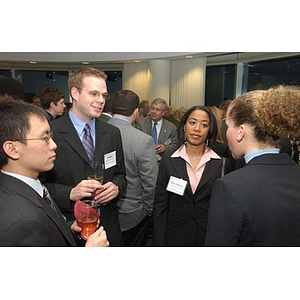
(168, 125)
(105, 127)
(62, 124)
(272, 159)
(19, 187)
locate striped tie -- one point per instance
(48, 199)
(88, 144)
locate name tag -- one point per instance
(176, 185)
(110, 160)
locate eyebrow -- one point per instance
(192, 118)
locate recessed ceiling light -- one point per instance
(33, 62)
(85, 63)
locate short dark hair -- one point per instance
(124, 102)
(12, 88)
(211, 138)
(14, 122)
(49, 95)
(108, 106)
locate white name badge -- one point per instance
(176, 185)
(110, 160)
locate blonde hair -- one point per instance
(272, 113)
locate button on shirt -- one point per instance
(195, 175)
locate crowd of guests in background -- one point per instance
(187, 176)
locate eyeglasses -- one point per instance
(156, 109)
(95, 94)
(46, 138)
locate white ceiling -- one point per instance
(88, 56)
(72, 60)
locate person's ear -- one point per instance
(10, 149)
(136, 112)
(74, 93)
(240, 133)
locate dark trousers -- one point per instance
(137, 236)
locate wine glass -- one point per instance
(87, 217)
(95, 172)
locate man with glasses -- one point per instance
(81, 139)
(164, 133)
(28, 214)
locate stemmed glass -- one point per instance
(95, 172)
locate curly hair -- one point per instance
(278, 111)
(272, 113)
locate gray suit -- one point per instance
(141, 174)
(167, 135)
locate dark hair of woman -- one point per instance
(212, 125)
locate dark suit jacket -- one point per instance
(27, 220)
(181, 220)
(258, 205)
(71, 166)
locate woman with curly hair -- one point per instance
(259, 205)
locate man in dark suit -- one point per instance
(28, 215)
(166, 132)
(80, 128)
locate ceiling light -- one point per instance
(137, 61)
(33, 62)
(189, 56)
(85, 63)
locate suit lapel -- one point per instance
(100, 140)
(179, 166)
(57, 218)
(72, 138)
(162, 132)
(210, 169)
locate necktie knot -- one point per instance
(87, 129)
(46, 196)
(48, 199)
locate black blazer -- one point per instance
(258, 205)
(71, 166)
(181, 220)
(27, 220)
